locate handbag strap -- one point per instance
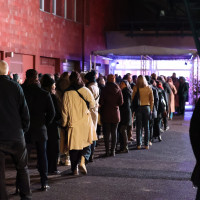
(87, 102)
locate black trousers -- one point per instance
(42, 163)
(52, 154)
(182, 101)
(75, 156)
(17, 150)
(110, 129)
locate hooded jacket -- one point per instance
(110, 100)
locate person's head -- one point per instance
(141, 82)
(134, 78)
(111, 78)
(4, 67)
(102, 81)
(64, 75)
(159, 84)
(181, 79)
(148, 78)
(16, 77)
(169, 80)
(91, 76)
(47, 83)
(76, 80)
(174, 75)
(31, 76)
(153, 82)
(128, 77)
(154, 76)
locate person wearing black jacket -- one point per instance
(154, 117)
(182, 93)
(47, 83)
(168, 91)
(195, 143)
(42, 113)
(126, 115)
(14, 122)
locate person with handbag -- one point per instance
(77, 101)
(144, 95)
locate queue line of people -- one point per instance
(65, 113)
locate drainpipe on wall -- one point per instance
(83, 35)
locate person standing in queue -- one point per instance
(14, 122)
(77, 102)
(42, 113)
(144, 110)
(110, 100)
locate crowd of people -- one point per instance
(63, 116)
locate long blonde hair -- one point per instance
(141, 82)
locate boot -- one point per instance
(67, 161)
(82, 166)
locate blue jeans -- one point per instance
(142, 120)
(17, 150)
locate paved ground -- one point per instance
(160, 173)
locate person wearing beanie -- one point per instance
(92, 85)
(42, 113)
(48, 84)
(110, 100)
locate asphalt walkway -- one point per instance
(161, 173)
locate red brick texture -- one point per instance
(25, 29)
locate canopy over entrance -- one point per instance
(157, 53)
(149, 56)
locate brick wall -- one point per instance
(24, 29)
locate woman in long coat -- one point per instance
(110, 100)
(171, 103)
(77, 118)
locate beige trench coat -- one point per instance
(77, 118)
(172, 97)
(93, 87)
